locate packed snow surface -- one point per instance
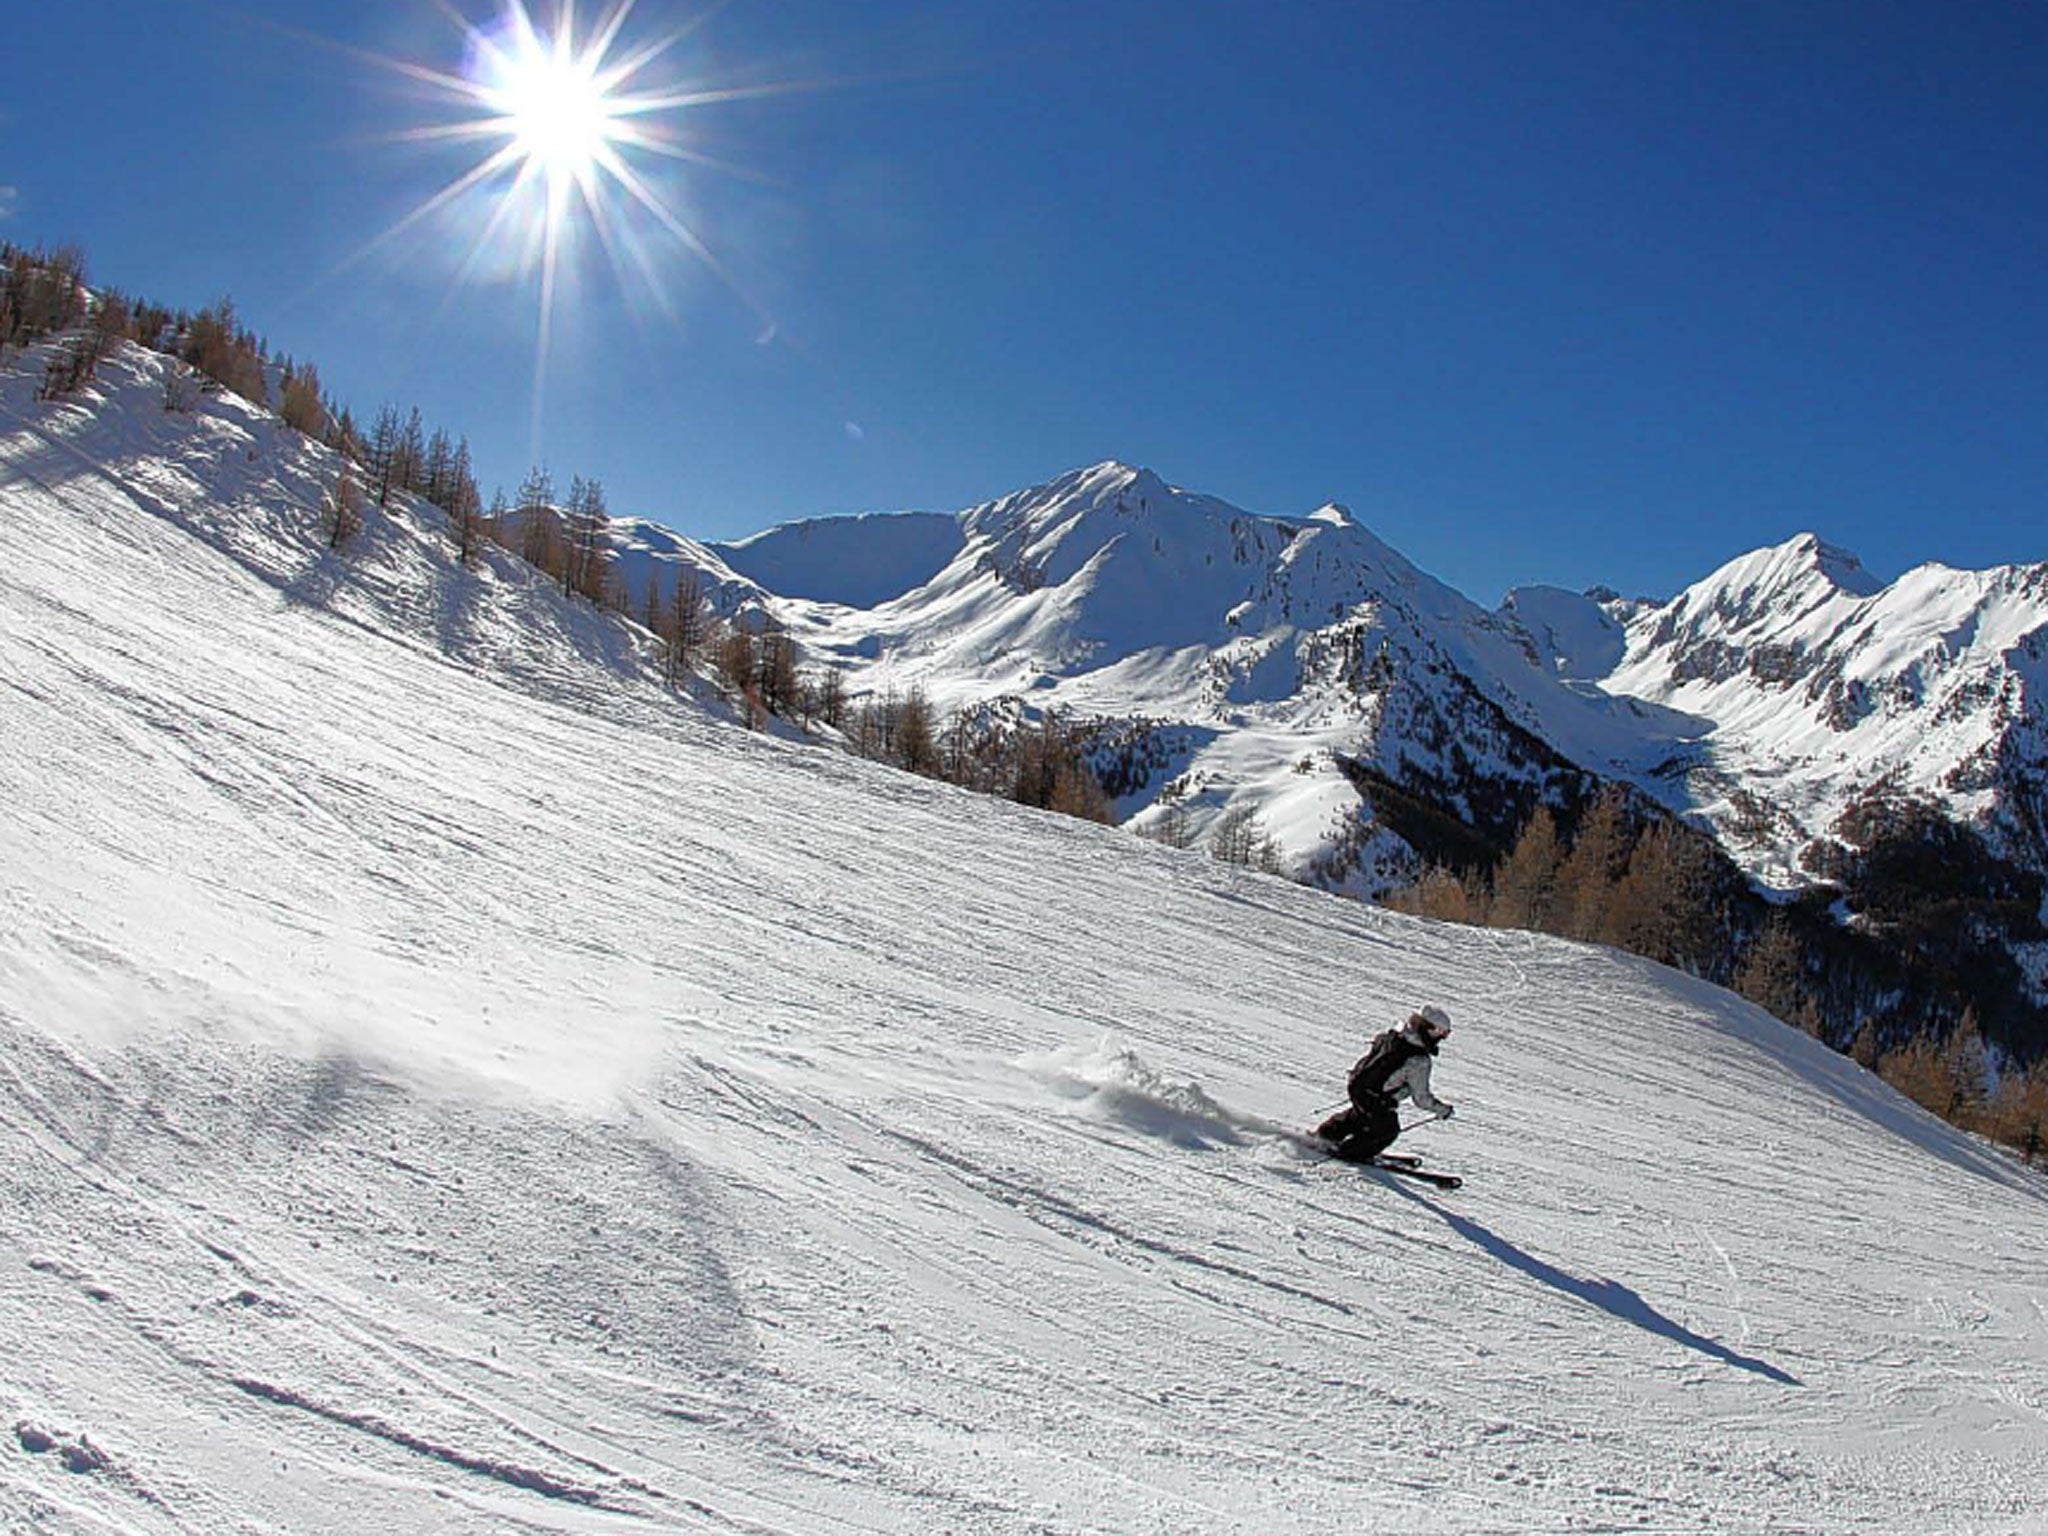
(448, 1085)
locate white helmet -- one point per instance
(1434, 1022)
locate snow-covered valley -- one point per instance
(447, 1083)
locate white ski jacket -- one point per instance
(1412, 1080)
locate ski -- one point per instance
(1384, 1160)
(1393, 1162)
(1408, 1170)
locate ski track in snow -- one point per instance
(447, 1085)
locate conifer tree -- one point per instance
(955, 751)
(300, 402)
(343, 435)
(1773, 974)
(1173, 826)
(1037, 771)
(1235, 836)
(380, 455)
(829, 697)
(342, 511)
(1598, 858)
(466, 506)
(495, 520)
(586, 568)
(688, 630)
(437, 471)
(915, 741)
(1438, 893)
(222, 351)
(1665, 906)
(1051, 772)
(537, 489)
(874, 725)
(776, 671)
(2018, 1114)
(112, 323)
(409, 459)
(1525, 885)
(538, 527)
(65, 369)
(41, 293)
(1917, 1070)
(1965, 1072)
(736, 661)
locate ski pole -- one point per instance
(1411, 1125)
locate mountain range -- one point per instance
(1252, 660)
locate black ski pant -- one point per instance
(1363, 1131)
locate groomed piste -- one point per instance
(450, 1082)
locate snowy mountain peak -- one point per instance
(1097, 483)
(1142, 481)
(1802, 572)
(1823, 683)
(1835, 563)
(1106, 487)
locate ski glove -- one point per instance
(1443, 1111)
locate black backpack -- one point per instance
(1387, 1055)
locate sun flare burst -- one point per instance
(557, 113)
(575, 124)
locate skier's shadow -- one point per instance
(1610, 1296)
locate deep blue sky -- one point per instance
(1574, 292)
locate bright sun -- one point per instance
(571, 127)
(557, 112)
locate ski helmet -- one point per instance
(1434, 1021)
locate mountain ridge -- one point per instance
(1130, 633)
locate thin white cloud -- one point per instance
(856, 432)
(9, 196)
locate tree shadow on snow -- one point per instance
(1610, 1296)
(323, 574)
(456, 614)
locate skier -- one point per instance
(1396, 1064)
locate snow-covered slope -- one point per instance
(858, 561)
(447, 1085)
(1576, 636)
(1822, 682)
(238, 481)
